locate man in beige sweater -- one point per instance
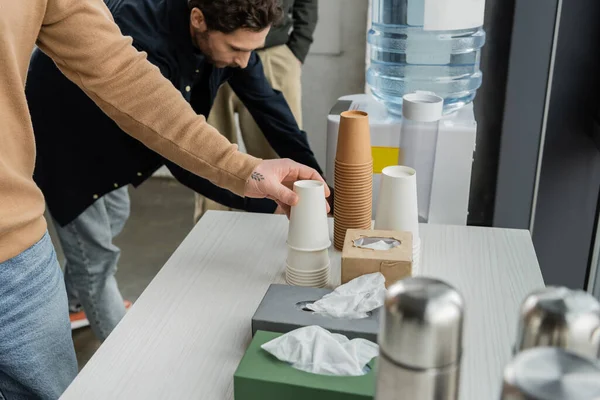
(37, 359)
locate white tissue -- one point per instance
(318, 351)
(354, 299)
(376, 243)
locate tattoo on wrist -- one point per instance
(257, 176)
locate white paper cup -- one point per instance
(322, 282)
(308, 229)
(308, 260)
(397, 208)
(307, 274)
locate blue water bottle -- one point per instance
(426, 45)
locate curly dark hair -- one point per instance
(229, 15)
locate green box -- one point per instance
(261, 376)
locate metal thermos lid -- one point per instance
(422, 324)
(549, 373)
(560, 317)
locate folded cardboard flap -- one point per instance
(261, 376)
(394, 263)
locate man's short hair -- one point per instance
(229, 15)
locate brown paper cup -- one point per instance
(353, 175)
(345, 182)
(347, 213)
(355, 224)
(353, 171)
(350, 179)
(368, 169)
(342, 164)
(352, 209)
(357, 201)
(354, 139)
(350, 191)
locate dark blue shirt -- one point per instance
(82, 154)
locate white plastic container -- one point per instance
(309, 230)
(419, 136)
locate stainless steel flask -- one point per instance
(550, 373)
(560, 317)
(420, 341)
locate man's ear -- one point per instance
(197, 20)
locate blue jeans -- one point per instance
(91, 260)
(37, 359)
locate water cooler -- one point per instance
(451, 180)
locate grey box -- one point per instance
(281, 310)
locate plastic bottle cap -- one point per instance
(422, 106)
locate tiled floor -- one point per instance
(161, 217)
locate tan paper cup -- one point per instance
(353, 185)
(352, 213)
(354, 204)
(358, 170)
(354, 189)
(351, 193)
(357, 200)
(342, 173)
(354, 138)
(352, 177)
(348, 165)
(355, 224)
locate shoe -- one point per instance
(79, 320)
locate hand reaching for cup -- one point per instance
(273, 179)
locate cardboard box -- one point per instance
(261, 376)
(394, 264)
(281, 310)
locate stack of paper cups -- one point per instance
(397, 208)
(353, 177)
(308, 237)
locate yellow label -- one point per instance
(384, 157)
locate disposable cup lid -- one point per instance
(422, 106)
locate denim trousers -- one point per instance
(91, 260)
(37, 359)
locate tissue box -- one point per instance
(260, 376)
(281, 311)
(394, 264)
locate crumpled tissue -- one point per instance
(354, 299)
(316, 350)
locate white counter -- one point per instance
(185, 336)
